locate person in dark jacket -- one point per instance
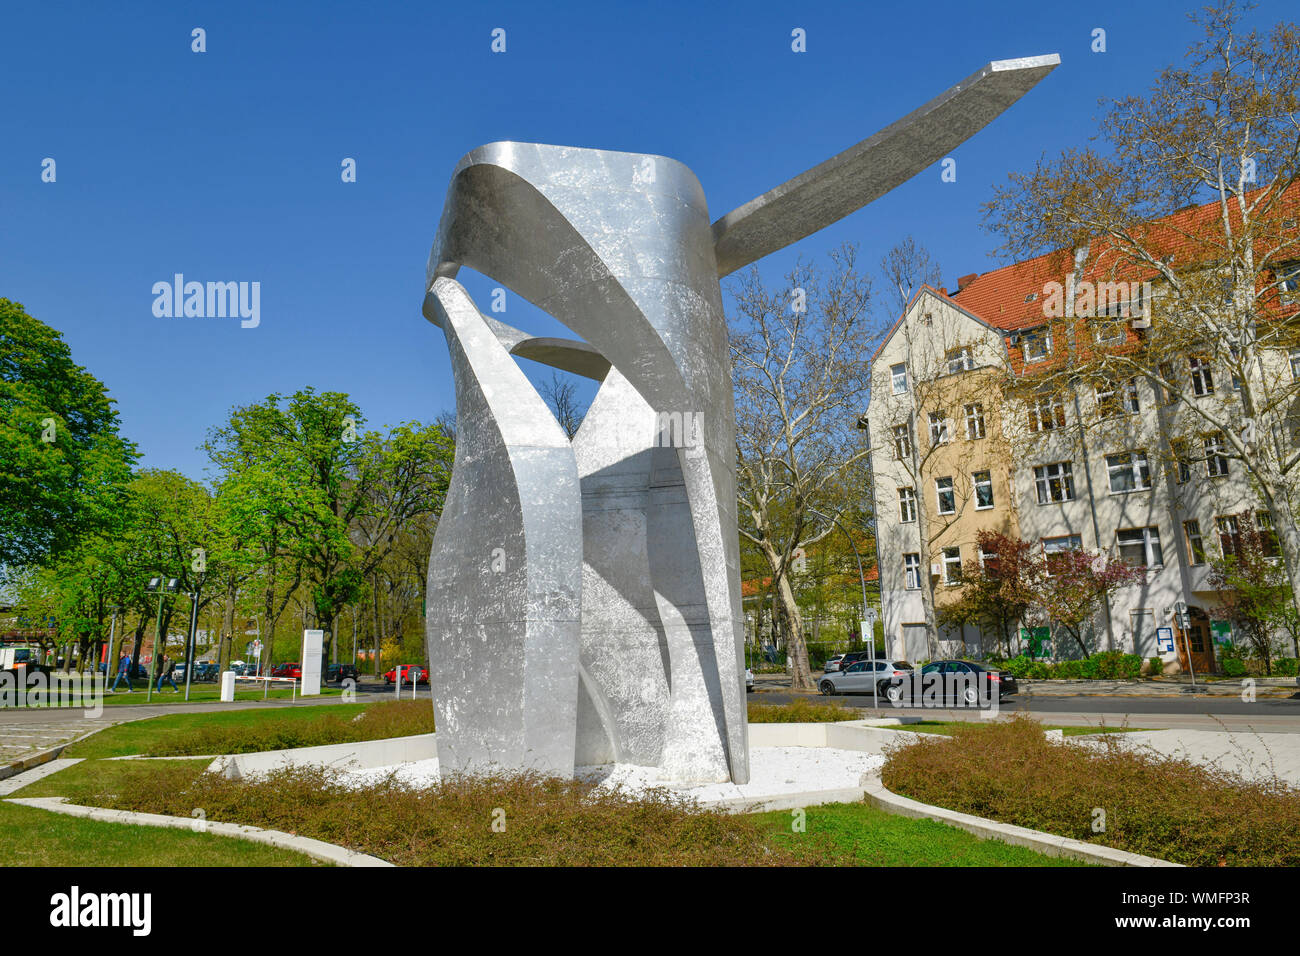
(166, 675)
(123, 674)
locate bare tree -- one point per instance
(905, 268)
(562, 396)
(801, 359)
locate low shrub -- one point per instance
(1154, 805)
(1157, 667)
(512, 820)
(377, 722)
(801, 710)
(1285, 667)
(1233, 667)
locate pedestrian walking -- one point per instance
(169, 665)
(123, 674)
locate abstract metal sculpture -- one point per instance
(584, 596)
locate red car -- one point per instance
(292, 669)
(421, 674)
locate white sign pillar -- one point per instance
(228, 686)
(312, 643)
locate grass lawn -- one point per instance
(864, 835)
(32, 837)
(948, 726)
(139, 737)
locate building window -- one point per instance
(1202, 375)
(906, 505)
(952, 565)
(1229, 534)
(1054, 482)
(1140, 547)
(902, 442)
(960, 360)
(1235, 354)
(912, 572)
(1037, 345)
(1114, 397)
(1195, 543)
(938, 428)
(947, 496)
(1216, 462)
(1128, 472)
(1268, 542)
(899, 375)
(983, 481)
(1295, 364)
(975, 420)
(989, 561)
(1047, 413)
(1289, 281)
(1053, 547)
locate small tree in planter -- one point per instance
(1075, 585)
(1254, 591)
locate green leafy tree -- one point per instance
(63, 465)
(1254, 591)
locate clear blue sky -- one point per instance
(225, 165)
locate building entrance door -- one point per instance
(1198, 639)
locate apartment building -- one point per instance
(963, 441)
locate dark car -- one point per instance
(337, 673)
(962, 683)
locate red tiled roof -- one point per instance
(1190, 235)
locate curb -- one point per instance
(317, 849)
(1046, 843)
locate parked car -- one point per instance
(749, 680)
(337, 673)
(964, 683)
(290, 669)
(206, 670)
(833, 663)
(421, 674)
(859, 677)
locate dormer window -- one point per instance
(1036, 345)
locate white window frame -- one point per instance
(1216, 462)
(959, 360)
(1294, 357)
(1135, 464)
(1051, 404)
(911, 571)
(938, 495)
(951, 558)
(975, 485)
(906, 504)
(975, 420)
(940, 433)
(1152, 550)
(1050, 546)
(898, 373)
(1058, 473)
(902, 442)
(1029, 337)
(1202, 375)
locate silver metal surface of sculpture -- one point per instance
(584, 596)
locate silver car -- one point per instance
(833, 663)
(861, 676)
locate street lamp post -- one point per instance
(161, 586)
(189, 640)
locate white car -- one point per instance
(749, 680)
(833, 663)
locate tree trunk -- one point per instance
(796, 647)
